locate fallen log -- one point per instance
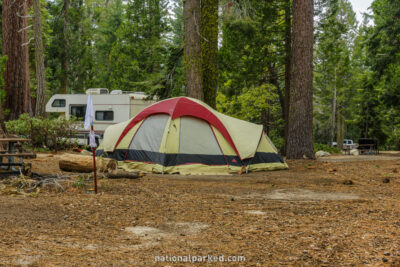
(127, 175)
(79, 163)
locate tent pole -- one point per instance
(165, 145)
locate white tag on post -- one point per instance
(92, 139)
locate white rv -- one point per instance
(109, 108)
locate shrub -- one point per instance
(327, 148)
(43, 132)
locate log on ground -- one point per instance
(78, 163)
(127, 175)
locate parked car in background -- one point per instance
(349, 144)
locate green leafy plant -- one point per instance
(327, 148)
(79, 182)
(44, 132)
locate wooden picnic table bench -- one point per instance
(11, 153)
(368, 146)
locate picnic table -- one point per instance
(368, 146)
(14, 145)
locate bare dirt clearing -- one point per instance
(317, 213)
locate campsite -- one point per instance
(306, 215)
(199, 133)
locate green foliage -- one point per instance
(251, 64)
(252, 105)
(3, 60)
(79, 182)
(44, 132)
(326, 148)
(335, 34)
(139, 51)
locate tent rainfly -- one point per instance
(184, 135)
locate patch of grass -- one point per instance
(79, 182)
(41, 149)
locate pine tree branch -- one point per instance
(26, 28)
(24, 17)
(29, 41)
(197, 27)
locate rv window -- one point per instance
(58, 103)
(104, 115)
(78, 112)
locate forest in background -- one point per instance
(137, 45)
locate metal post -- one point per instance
(94, 162)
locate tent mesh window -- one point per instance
(146, 143)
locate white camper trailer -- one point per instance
(109, 108)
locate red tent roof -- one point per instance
(178, 107)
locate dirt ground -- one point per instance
(317, 213)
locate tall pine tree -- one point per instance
(300, 136)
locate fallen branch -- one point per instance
(127, 175)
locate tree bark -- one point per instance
(339, 131)
(64, 54)
(209, 50)
(192, 48)
(340, 128)
(300, 137)
(288, 47)
(15, 46)
(334, 100)
(39, 62)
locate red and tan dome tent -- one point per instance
(184, 135)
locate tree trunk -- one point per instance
(366, 129)
(288, 47)
(334, 100)
(342, 127)
(209, 50)
(300, 136)
(192, 48)
(15, 46)
(64, 54)
(150, 31)
(39, 62)
(340, 130)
